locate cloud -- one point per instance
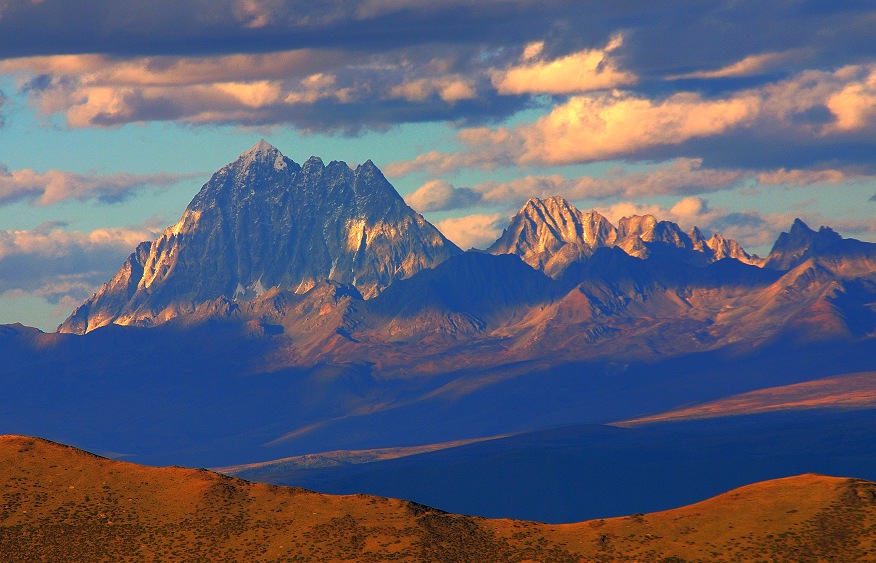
(708, 36)
(750, 65)
(690, 207)
(172, 27)
(473, 231)
(314, 90)
(342, 66)
(449, 88)
(680, 177)
(824, 111)
(437, 195)
(55, 186)
(591, 69)
(621, 124)
(805, 177)
(101, 70)
(63, 267)
(50, 240)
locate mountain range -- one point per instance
(299, 309)
(324, 258)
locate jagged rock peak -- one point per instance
(794, 246)
(567, 223)
(262, 152)
(550, 234)
(637, 225)
(262, 147)
(264, 222)
(801, 232)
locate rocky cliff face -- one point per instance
(550, 234)
(265, 222)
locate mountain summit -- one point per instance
(263, 221)
(799, 243)
(552, 234)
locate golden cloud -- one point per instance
(583, 71)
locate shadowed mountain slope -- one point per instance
(64, 504)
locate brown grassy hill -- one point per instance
(62, 504)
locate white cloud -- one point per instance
(473, 231)
(51, 241)
(54, 186)
(52, 270)
(437, 195)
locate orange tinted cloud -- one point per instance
(437, 195)
(803, 177)
(855, 105)
(749, 66)
(604, 126)
(583, 71)
(595, 128)
(451, 89)
(174, 71)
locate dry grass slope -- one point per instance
(62, 504)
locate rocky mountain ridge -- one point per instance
(552, 234)
(263, 221)
(334, 263)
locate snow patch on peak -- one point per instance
(262, 147)
(258, 288)
(263, 151)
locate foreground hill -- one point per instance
(587, 471)
(60, 504)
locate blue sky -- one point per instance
(735, 117)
